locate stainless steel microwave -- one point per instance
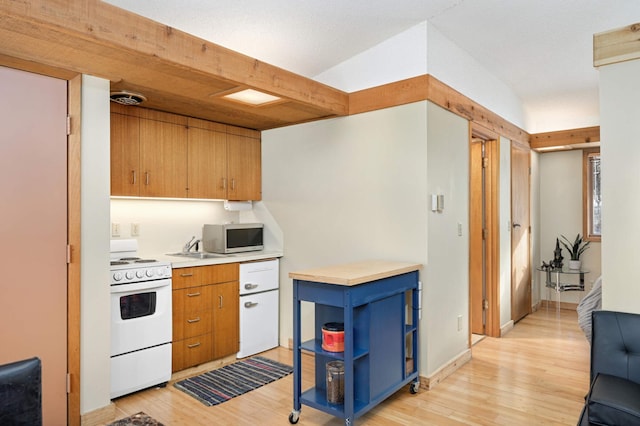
(233, 237)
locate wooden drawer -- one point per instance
(191, 311)
(190, 352)
(200, 275)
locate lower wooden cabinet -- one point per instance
(205, 314)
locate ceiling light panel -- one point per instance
(252, 97)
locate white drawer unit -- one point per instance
(256, 277)
(259, 306)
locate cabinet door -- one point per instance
(163, 159)
(226, 322)
(244, 168)
(125, 155)
(207, 164)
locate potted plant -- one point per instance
(575, 249)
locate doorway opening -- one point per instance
(484, 295)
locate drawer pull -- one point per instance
(250, 304)
(186, 275)
(193, 294)
(195, 345)
(191, 321)
(250, 286)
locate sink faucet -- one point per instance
(190, 244)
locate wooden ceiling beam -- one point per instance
(565, 139)
(622, 44)
(96, 38)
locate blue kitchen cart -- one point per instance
(379, 303)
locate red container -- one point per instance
(333, 337)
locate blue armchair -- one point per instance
(21, 393)
(614, 395)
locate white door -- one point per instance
(33, 230)
(258, 322)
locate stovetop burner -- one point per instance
(144, 260)
(118, 262)
(129, 258)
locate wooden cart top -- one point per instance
(355, 273)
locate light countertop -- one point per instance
(188, 262)
(355, 273)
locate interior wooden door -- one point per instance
(477, 280)
(33, 247)
(520, 232)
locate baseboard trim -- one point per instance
(506, 328)
(445, 371)
(100, 416)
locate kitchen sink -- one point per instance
(196, 255)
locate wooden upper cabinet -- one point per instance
(163, 155)
(125, 155)
(244, 168)
(157, 154)
(207, 164)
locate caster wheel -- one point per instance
(294, 417)
(414, 388)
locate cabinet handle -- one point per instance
(233, 184)
(220, 301)
(191, 321)
(250, 304)
(224, 183)
(133, 177)
(193, 294)
(250, 286)
(195, 345)
(186, 275)
(146, 178)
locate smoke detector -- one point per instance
(127, 98)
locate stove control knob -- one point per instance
(149, 273)
(139, 274)
(117, 276)
(129, 275)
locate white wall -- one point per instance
(458, 69)
(166, 225)
(561, 214)
(421, 50)
(94, 267)
(536, 285)
(446, 282)
(397, 58)
(620, 153)
(351, 189)
(504, 226)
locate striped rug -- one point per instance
(218, 386)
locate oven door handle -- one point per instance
(141, 286)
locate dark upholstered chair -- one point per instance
(21, 393)
(614, 395)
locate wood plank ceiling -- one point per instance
(175, 71)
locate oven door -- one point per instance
(140, 315)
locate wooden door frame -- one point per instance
(74, 99)
(492, 205)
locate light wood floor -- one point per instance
(537, 374)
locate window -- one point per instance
(591, 198)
